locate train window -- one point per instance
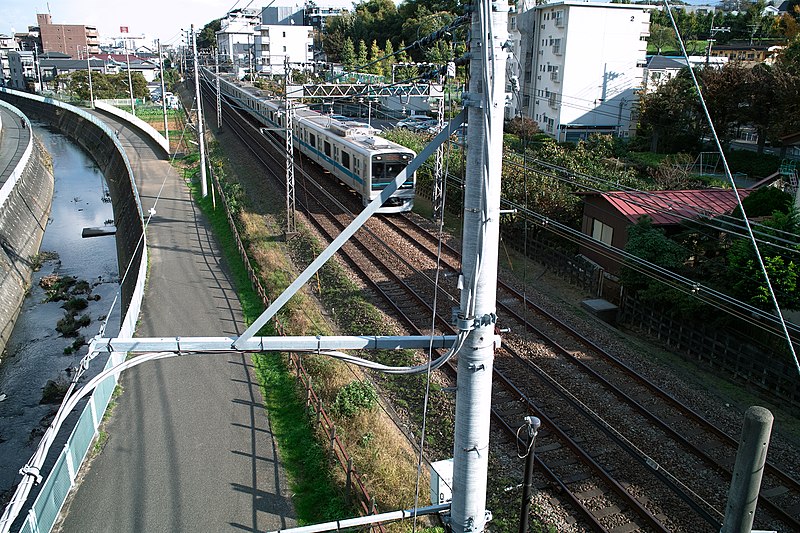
(312, 140)
(327, 148)
(345, 160)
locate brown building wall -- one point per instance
(597, 208)
(67, 38)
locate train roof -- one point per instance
(356, 132)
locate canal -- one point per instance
(72, 291)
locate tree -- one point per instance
(671, 118)
(388, 63)
(361, 57)
(375, 53)
(661, 37)
(207, 37)
(746, 278)
(348, 54)
(651, 244)
(724, 91)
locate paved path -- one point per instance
(13, 141)
(190, 446)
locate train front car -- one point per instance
(386, 164)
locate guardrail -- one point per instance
(54, 489)
(16, 174)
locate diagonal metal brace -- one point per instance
(348, 232)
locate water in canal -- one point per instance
(36, 351)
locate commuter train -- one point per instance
(351, 151)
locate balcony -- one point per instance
(554, 76)
(559, 22)
(553, 101)
(557, 49)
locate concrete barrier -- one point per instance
(25, 201)
(135, 121)
(16, 174)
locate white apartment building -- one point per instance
(236, 37)
(580, 66)
(263, 40)
(275, 43)
(22, 65)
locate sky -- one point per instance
(157, 19)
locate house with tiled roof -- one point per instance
(608, 215)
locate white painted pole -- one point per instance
(200, 135)
(89, 68)
(130, 81)
(163, 94)
(485, 102)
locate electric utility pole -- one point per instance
(485, 101)
(163, 93)
(287, 104)
(130, 80)
(438, 169)
(216, 83)
(712, 32)
(200, 135)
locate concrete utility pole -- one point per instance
(748, 470)
(485, 102)
(163, 93)
(200, 135)
(130, 82)
(89, 68)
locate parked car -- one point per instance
(417, 123)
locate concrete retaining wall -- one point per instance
(99, 141)
(23, 218)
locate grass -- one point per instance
(316, 496)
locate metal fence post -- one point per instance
(349, 484)
(750, 458)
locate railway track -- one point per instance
(610, 453)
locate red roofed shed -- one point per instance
(607, 215)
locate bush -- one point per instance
(54, 391)
(354, 397)
(76, 304)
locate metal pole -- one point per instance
(750, 458)
(290, 204)
(163, 93)
(477, 319)
(130, 80)
(532, 424)
(200, 135)
(216, 83)
(438, 169)
(89, 68)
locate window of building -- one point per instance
(284, 48)
(602, 232)
(284, 34)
